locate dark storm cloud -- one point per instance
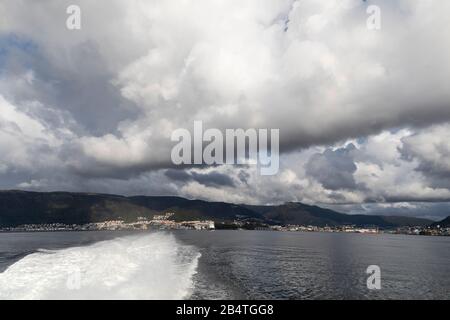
(85, 92)
(178, 175)
(243, 176)
(210, 179)
(431, 149)
(334, 169)
(213, 179)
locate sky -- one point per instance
(364, 115)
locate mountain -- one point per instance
(19, 207)
(443, 224)
(23, 207)
(302, 214)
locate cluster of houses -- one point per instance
(158, 221)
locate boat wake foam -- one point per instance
(146, 266)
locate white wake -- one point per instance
(146, 266)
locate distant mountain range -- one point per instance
(443, 224)
(22, 207)
(302, 214)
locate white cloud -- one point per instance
(25, 141)
(310, 68)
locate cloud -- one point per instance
(333, 168)
(27, 142)
(209, 179)
(232, 66)
(434, 211)
(431, 148)
(363, 115)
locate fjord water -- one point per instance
(222, 265)
(297, 265)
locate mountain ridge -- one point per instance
(444, 223)
(30, 207)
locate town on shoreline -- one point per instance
(163, 222)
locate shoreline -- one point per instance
(237, 230)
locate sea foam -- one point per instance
(145, 266)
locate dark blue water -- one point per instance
(296, 265)
(286, 265)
